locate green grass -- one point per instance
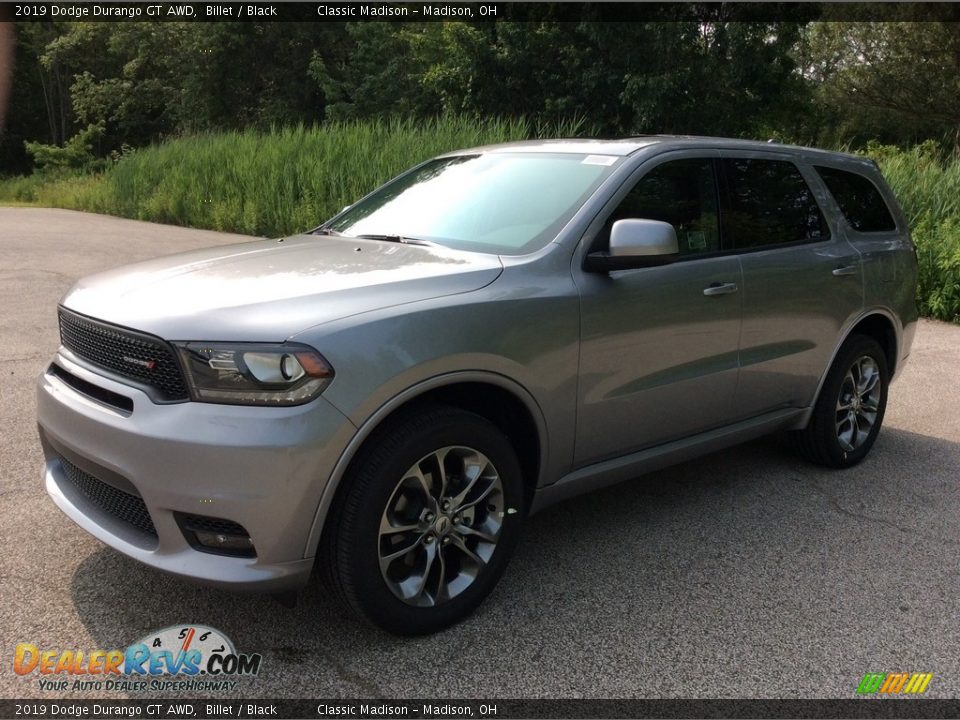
(278, 182)
(270, 183)
(927, 184)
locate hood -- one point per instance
(268, 290)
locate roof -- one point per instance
(571, 145)
(627, 146)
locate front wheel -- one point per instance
(427, 523)
(849, 411)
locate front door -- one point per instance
(658, 357)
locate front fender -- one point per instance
(400, 400)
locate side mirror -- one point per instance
(642, 238)
(634, 244)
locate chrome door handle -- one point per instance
(720, 289)
(844, 270)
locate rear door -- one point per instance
(802, 280)
(889, 265)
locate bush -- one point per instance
(927, 184)
(938, 254)
(75, 154)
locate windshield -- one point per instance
(504, 203)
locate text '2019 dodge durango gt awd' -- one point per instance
(390, 395)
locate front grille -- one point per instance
(139, 357)
(122, 505)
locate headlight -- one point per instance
(254, 374)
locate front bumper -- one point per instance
(263, 468)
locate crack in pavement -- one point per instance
(350, 676)
(35, 356)
(879, 520)
(15, 271)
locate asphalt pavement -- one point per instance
(744, 574)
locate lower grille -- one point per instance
(121, 505)
(203, 523)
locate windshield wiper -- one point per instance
(372, 236)
(397, 239)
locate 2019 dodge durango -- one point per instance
(391, 394)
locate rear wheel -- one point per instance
(850, 409)
(427, 523)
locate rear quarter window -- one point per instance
(859, 200)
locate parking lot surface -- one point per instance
(747, 573)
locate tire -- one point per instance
(831, 438)
(384, 489)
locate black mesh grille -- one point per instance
(120, 504)
(139, 357)
(202, 523)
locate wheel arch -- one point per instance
(499, 399)
(878, 323)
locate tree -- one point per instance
(375, 74)
(237, 75)
(125, 77)
(894, 81)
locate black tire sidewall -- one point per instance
(825, 420)
(378, 475)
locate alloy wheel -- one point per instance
(858, 403)
(441, 526)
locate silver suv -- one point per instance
(388, 396)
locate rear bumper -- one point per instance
(262, 468)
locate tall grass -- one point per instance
(927, 184)
(270, 183)
(278, 182)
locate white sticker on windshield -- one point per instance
(599, 160)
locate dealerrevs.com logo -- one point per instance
(894, 683)
(179, 658)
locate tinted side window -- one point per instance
(859, 200)
(769, 204)
(682, 193)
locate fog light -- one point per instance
(220, 541)
(216, 535)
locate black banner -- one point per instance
(498, 709)
(474, 11)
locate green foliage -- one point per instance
(76, 154)
(711, 77)
(23, 189)
(927, 184)
(270, 183)
(375, 75)
(938, 255)
(896, 82)
(822, 83)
